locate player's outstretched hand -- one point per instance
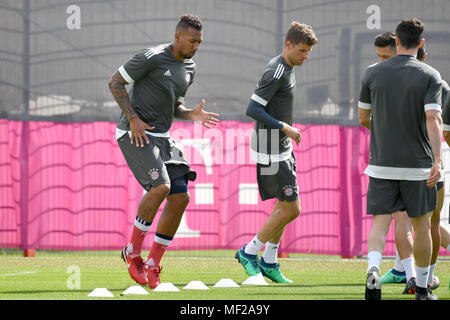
(435, 175)
(208, 119)
(137, 128)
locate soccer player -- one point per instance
(271, 106)
(400, 101)
(386, 49)
(160, 76)
(385, 46)
(403, 270)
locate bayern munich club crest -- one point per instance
(288, 191)
(154, 174)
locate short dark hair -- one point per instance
(386, 39)
(189, 21)
(409, 32)
(421, 53)
(301, 33)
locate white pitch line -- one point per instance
(17, 274)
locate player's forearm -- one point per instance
(182, 112)
(120, 94)
(257, 112)
(364, 117)
(434, 129)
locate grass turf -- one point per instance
(48, 278)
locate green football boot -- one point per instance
(273, 272)
(248, 261)
(393, 276)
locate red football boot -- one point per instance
(153, 276)
(136, 267)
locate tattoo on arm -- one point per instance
(117, 86)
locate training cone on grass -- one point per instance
(226, 283)
(135, 290)
(101, 293)
(196, 285)
(166, 287)
(256, 281)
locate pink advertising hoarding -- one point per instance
(78, 193)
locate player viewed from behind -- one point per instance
(400, 101)
(271, 106)
(161, 76)
(403, 270)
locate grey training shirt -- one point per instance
(275, 91)
(159, 81)
(399, 91)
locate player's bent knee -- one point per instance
(162, 190)
(182, 198)
(294, 210)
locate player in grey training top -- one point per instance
(400, 101)
(272, 106)
(275, 91)
(403, 270)
(160, 81)
(160, 76)
(399, 144)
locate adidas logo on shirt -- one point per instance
(167, 73)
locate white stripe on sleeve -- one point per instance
(364, 105)
(433, 106)
(258, 99)
(278, 73)
(125, 75)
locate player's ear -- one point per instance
(288, 44)
(177, 36)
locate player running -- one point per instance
(160, 76)
(272, 106)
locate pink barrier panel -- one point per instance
(78, 193)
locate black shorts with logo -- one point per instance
(388, 196)
(278, 180)
(158, 162)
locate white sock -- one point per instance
(271, 252)
(422, 276)
(374, 258)
(254, 246)
(398, 263)
(408, 266)
(431, 273)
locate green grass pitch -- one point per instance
(315, 278)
